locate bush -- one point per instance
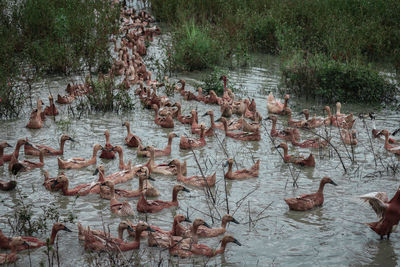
(106, 97)
(194, 48)
(319, 76)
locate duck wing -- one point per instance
(377, 201)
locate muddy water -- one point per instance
(329, 235)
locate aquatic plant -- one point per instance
(331, 80)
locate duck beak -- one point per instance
(187, 220)
(151, 178)
(301, 113)
(28, 144)
(171, 163)
(267, 118)
(71, 139)
(8, 145)
(186, 190)
(219, 119)
(26, 244)
(234, 221)
(237, 242)
(67, 229)
(205, 114)
(103, 183)
(96, 171)
(226, 163)
(150, 229)
(130, 229)
(206, 225)
(332, 182)
(278, 146)
(53, 185)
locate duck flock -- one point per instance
(240, 120)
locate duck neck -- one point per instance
(168, 147)
(107, 139)
(229, 172)
(202, 130)
(273, 129)
(285, 104)
(179, 111)
(54, 232)
(120, 232)
(1, 153)
(178, 170)
(174, 227)
(321, 187)
(223, 223)
(175, 195)
(94, 155)
(285, 151)
(16, 150)
(128, 128)
(137, 235)
(62, 143)
(64, 188)
(225, 123)
(212, 120)
(41, 158)
(101, 177)
(221, 249)
(387, 140)
(121, 159)
(156, 110)
(152, 157)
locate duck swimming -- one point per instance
(96, 243)
(14, 244)
(48, 182)
(122, 165)
(158, 152)
(124, 225)
(243, 173)
(119, 208)
(188, 143)
(395, 149)
(131, 140)
(283, 134)
(2, 146)
(349, 137)
(196, 180)
(63, 182)
(34, 149)
(27, 164)
(36, 120)
(309, 201)
(20, 142)
(76, 163)
(275, 106)
(293, 123)
(312, 143)
(7, 186)
(162, 238)
(165, 122)
(244, 136)
(204, 231)
(51, 110)
(65, 99)
(151, 206)
(180, 118)
(299, 160)
(107, 151)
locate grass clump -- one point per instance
(194, 48)
(331, 80)
(105, 96)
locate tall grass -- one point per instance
(349, 32)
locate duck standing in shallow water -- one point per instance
(151, 206)
(390, 218)
(243, 173)
(309, 201)
(131, 140)
(107, 151)
(299, 160)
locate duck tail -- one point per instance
(310, 161)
